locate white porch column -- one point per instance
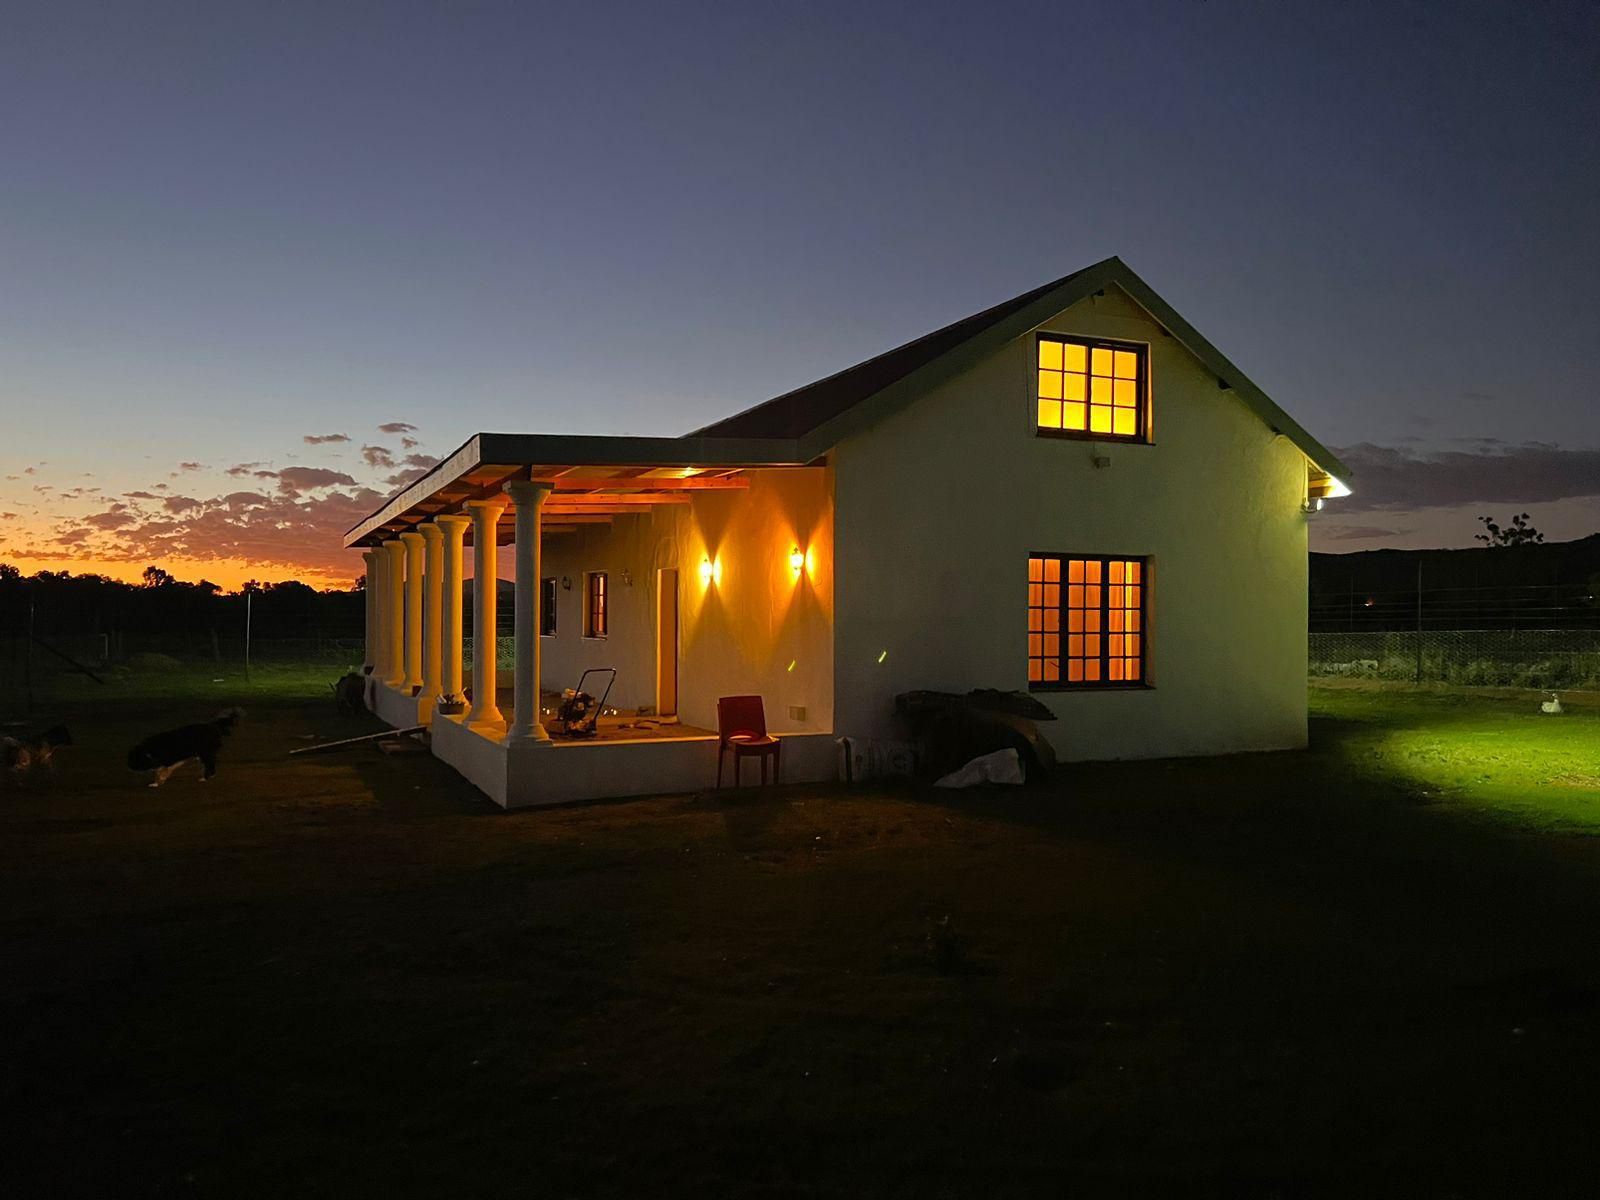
(485, 520)
(453, 526)
(369, 631)
(394, 632)
(414, 551)
(432, 593)
(529, 499)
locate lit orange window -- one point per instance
(594, 605)
(1086, 621)
(1091, 388)
(1044, 620)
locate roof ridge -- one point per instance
(910, 359)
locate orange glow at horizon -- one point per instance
(230, 574)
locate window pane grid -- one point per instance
(595, 606)
(1090, 387)
(1085, 621)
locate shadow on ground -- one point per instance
(1282, 974)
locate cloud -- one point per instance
(289, 531)
(377, 456)
(409, 443)
(397, 427)
(323, 439)
(1341, 533)
(72, 537)
(1486, 471)
(178, 504)
(244, 468)
(415, 467)
(143, 495)
(305, 479)
(190, 466)
(111, 519)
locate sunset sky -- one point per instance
(263, 262)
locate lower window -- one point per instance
(1086, 621)
(594, 604)
(547, 607)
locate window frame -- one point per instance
(1104, 683)
(548, 594)
(596, 617)
(1141, 436)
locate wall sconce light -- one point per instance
(797, 560)
(566, 583)
(710, 572)
(627, 578)
(1311, 504)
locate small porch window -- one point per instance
(594, 604)
(1089, 387)
(1086, 621)
(547, 607)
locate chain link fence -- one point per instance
(1548, 659)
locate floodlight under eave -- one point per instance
(1336, 488)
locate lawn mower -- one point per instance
(579, 713)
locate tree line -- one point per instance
(61, 604)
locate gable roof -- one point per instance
(822, 414)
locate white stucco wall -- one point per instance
(738, 634)
(630, 548)
(760, 627)
(940, 504)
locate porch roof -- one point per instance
(595, 478)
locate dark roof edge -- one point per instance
(1045, 303)
(556, 449)
(1258, 401)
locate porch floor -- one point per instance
(625, 727)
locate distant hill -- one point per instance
(1553, 585)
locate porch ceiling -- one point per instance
(593, 478)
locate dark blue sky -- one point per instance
(223, 227)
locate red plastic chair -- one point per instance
(742, 728)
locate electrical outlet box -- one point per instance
(797, 712)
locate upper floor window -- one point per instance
(594, 604)
(1091, 388)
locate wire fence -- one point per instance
(1549, 659)
(1345, 608)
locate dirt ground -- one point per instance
(1273, 975)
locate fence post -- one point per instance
(27, 653)
(1419, 618)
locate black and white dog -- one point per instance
(164, 753)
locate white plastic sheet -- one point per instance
(1002, 766)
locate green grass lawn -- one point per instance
(1313, 973)
(1499, 757)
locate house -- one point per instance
(1071, 492)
